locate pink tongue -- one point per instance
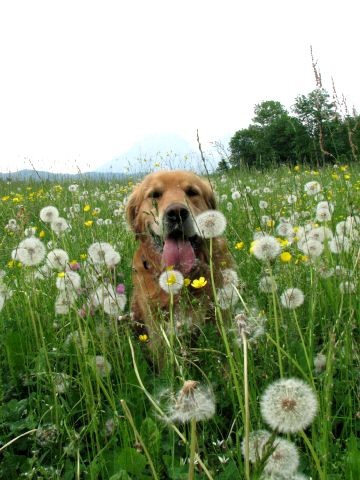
(179, 254)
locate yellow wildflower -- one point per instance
(143, 338)
(61, 274)
(88, 223)
(171, 279)
(239, 245)
(199, 282)
(42, 234)
(6, 198)
(187, 282)
(285, 257)
(87, 208)
(297, 168)
(83, 256)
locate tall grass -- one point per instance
(67, 413)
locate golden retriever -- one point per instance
(161, 211)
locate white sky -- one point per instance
(82, 81)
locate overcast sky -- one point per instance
(82, 81)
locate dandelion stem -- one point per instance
(138, 437)
(17, 438)
(192, 449)
(313, 454)
(247, 410)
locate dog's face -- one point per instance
(164, 206)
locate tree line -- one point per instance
(314, 133)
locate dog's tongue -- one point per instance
(178, 253)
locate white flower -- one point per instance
(267, 284)
(258, 445)
(114, 305)
(319, 362)
(288, 405)
(263, 204)
(340, 243)
(210, 223)
(57, 259)
(98, 250)
(312, 188)
(227, 296)
(101, 365)
(252, 323)
(49, 214)
(266, 248)
(193, 401)
(347, 287)
(171, 281)
(292, 298)
(64, 302)
(285, 229)
(284, 461)
(70, 280)
(73, 188)
(30, 251)
(323, 215)
(59, 225)
(235, 195)
(291, 199)
(230, 277)
(112, 258)
(319, 233)
(313, 248)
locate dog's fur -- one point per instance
(161, 211)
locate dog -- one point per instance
(161, 211)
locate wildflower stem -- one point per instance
(277, 334)
(313, 454)
(246, 400)
(138, 437)
(223, 332)
(192, 449)
(161, 413)
(17, 438)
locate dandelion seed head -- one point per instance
(288, 405)
(284, 461)
(267, 284)
(98, 251)
(210, 224)
(59, 225)
(49, 214)
(266, 248)
(30, 251)
(57, 259)
(292, 298)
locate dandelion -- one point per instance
(112, 258)
(46, 434)
(49, 214)
(292, 298)
(252, 323)
(230, 277)
(64, 301)
(199, 282)
(171, 281)
(70, 280)
(192, 402)
(258, 444)
(227, 296)
(98, 251)
(312, 188)
(61, 382)
(291, 199)
(30, 251)
(284, 460)
(239, 245)
(288, 405)
(285, 257)
(323, 215)
(263, 204)
(313, 248)
(57, 259)
(347, 287)
(267, 284)
(210, 224)
(113, 306)
(319, 362)
(266, 248)
(285, 229)
(73, 188)
(101, 366)
(59, 225)
(235, 195)
(339, 244)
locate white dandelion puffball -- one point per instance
(258, 444)
(98, 250)
(291, 199)
(64, 301)
(70, 281)
(284, 460)
(266, 248)
(312, 188)
(101, 365)
(112, 258)
(227, 296)
(114, 306)
(288, 405)
(210, 224)
(193, 401)
(59, 225)
(267, 284)
(313, 248)
(292, 298)
(49, 214)
(323, 215)
(339, 244)
(30, 251)
(230, 277)
(171, 281)
(57, 259)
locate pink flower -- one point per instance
(120, 288)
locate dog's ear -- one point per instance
(209, 195)
(132, 209)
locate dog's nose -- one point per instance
(176, 213)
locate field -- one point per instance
(79, 398)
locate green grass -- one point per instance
(60, 418)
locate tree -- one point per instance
(267, 112)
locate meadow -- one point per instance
(79, 397)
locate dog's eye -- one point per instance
(191, 192)
(155, 194)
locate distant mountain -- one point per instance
(169, 150)
(34, 175)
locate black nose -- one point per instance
(176, 214)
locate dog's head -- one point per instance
(164, 206)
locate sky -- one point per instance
(83, 81)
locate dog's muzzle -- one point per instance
(177, 221)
